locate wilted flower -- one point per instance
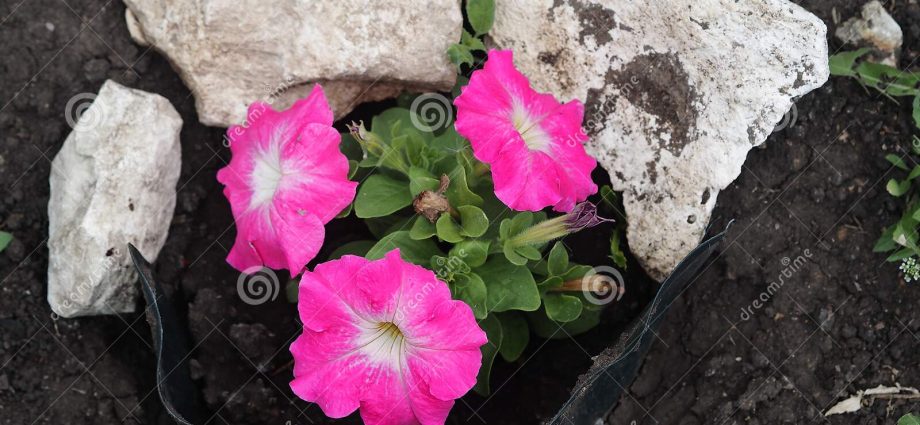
(532, 142)
(386, 337)
(287, 179)
(583, 216)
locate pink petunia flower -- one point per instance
(532, 142)
(386, 337)
(287, 178)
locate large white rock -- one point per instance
(231, 53)
(112, 183)
(677, 93)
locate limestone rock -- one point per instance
(232, 53)
(676, 94)
(876, 29)
(112, 183)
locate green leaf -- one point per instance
(896, 161)
(841, 64)
(413, 251)
(515, 335)
(914, 173)
(421, 180)
(512, 255)
(471, 289)
(529, 252)
(885, 242)
(900, 255)
(577, 271)
(916, 111)
(896, 188)
(448, 230)
(459, 55)
(608, 197)
(550, 282)
(472, 42)
(292, 291)
(616, 251)
(422, 229)
(380, 195)
(345, 212)
(510, 287)
(558, 261)
(481, 14)
(909, 419)
(473, 252)
(359, 248)
(520, 222)
(886, 78)
(561, 308)
(473, 221)
(493, 330)
(544, 327)
(382, 226)
(458, 192)
(5, 239)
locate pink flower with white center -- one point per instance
(287, 178)
(533, 143)
(386, 337)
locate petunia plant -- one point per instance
(465, 259)
(467, 202)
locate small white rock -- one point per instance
(112, 183)
(876, 29)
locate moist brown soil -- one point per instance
(843, 322)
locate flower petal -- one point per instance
(377, 288)
(393, 398)
(450, 374)
(313, 109)
(319, 181)
(526, 180)
(299, 233)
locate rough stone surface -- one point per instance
(876, 29)
(112, 183)
(676, 95)
(231, 53)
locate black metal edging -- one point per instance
(174, 383)
(614, 370)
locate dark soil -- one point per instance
(842, 322)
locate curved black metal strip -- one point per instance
(613, 371)
(174, 383)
